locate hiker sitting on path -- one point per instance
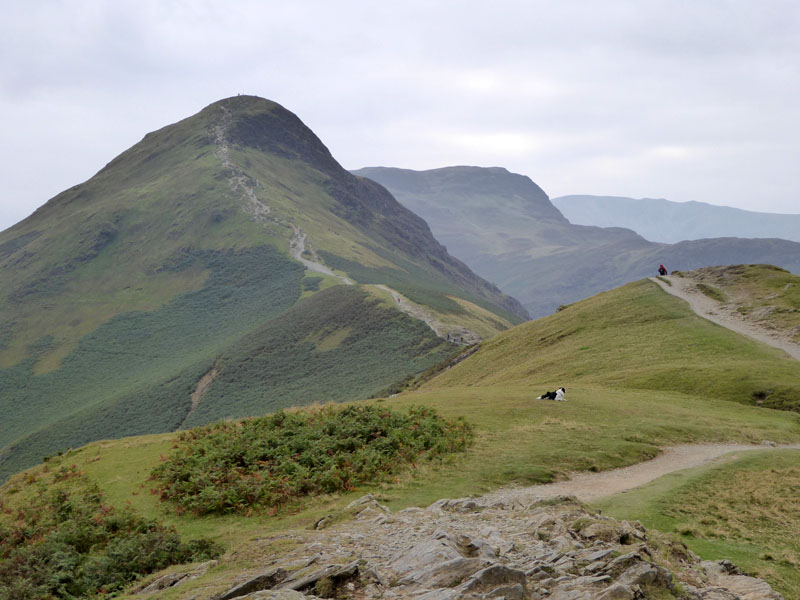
(662, 270)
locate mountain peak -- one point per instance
(261, 124)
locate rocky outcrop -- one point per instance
(468, 550)
(172, 579)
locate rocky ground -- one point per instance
(477, 548)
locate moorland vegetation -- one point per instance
(266, 463)
(62, 539)
(642, 372)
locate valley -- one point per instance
(506, 228)
(660, 220)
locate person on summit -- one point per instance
(662, 270)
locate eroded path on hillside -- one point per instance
(459, 335)
(297, 246)
(591, 486)
(686, 289)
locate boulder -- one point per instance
(336, 574)
(264, 581)
(445, 574)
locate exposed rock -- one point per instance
(275, 595)
(617, 591)
(172, 579)
(263, 581)
(441, 547)
(645, 573)
(494, 576)
(162, 583)
(465, 550)
(336, 574)
(446, 574)
(726, 575)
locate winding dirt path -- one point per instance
(297, 245)
(591, 486)
(686, 289)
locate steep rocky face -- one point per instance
(468, 549)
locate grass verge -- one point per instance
(745, 509)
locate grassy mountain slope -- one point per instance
(504, 226)
(666, 347)
(641, 371)
(660, 220)
(120, 294)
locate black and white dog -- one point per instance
(559, 395)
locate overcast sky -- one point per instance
(694, 100)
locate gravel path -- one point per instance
(685, 288)
(590, 486)
(463, 335)
(297, 245)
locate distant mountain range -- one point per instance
(660, 220)
(505, 227)
(224, 266)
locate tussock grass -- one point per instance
(769, 294)
(746, 510)
(712, 292)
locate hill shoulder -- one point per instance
(759, 301)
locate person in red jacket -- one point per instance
(662, 270)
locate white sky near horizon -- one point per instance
(677, 99)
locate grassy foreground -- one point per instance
(518, 440)
(641, 372)
(636, 337)
(745, 509)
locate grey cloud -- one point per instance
(686, 100)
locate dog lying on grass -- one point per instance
(559, 395)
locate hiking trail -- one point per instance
(297, 246)
(587, 486)
(724, 315)
(459, 335)
(590, 486)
